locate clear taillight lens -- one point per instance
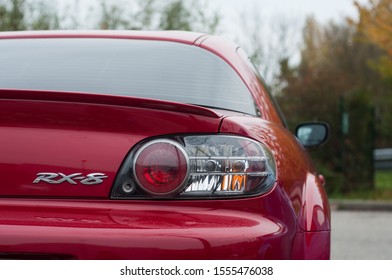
(197, 167)
(228, 165)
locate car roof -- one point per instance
(175, 36)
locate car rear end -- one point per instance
(137, 148)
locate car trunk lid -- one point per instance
(61, 144)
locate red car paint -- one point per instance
(85, 133)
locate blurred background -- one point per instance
(323, 61)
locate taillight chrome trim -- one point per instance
(228, 172)
(166, 141)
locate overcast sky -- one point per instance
(323, 10)
(290, 10)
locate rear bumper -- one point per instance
(107, 230)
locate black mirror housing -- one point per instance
(312, 134)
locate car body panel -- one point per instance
(173, 36)
(313, 245)
(254, 228)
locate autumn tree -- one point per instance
(375, 24)
(375, 27)
(334, 83)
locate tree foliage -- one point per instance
(334, 82)
(375, 23)
(24, 15)
(176, 16)
(12, 15)
(188, 15)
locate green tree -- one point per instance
(112, 17)
(176, 16)
(42, 15)
(12, 15)
(188, 15)
(24, 15)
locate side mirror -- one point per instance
(312, 134)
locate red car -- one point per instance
(150, 145)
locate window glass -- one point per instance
(142, 68)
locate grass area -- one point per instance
(382, 191)
(383, 180)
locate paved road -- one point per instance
(358, 235)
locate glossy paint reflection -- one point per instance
(138, 232)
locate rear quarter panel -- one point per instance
(295, 173)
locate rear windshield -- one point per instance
(150, 69)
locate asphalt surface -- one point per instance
(359, 234)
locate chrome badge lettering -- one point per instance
(58, 178)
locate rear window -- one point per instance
(150, 69)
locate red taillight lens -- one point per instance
(161, 167)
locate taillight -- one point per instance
(161, 167)
(202, 166)
(228, 165)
